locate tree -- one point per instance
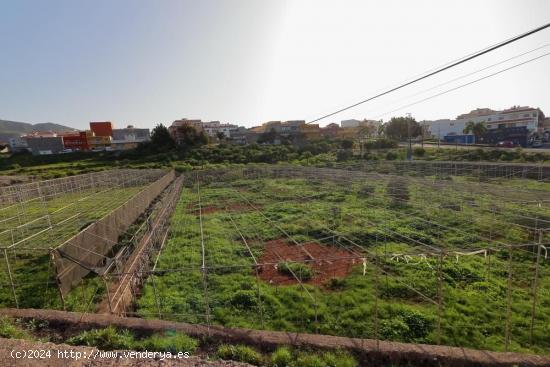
(476, 128)
(220, 135)
(399, 128)
(346, 144)
(268, 137)
(189, 137)
(161, 138)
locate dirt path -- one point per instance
(13, 351)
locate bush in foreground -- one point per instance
(302, 271)
(240, 353)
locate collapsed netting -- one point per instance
(83, 253)
(69, 225)
(135, 260)
(500, 204)
(31, 211)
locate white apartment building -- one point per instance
(444, 127)
(212, 128)
(350, 123)
(531, 118)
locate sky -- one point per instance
(249, 61)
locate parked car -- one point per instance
(536, 144)
(506, 144)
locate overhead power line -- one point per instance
(474, 72)
(464, 85)
(439, 70)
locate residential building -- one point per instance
(243, 136)
(76, 141)
(294, 127)
(515, 123)
(439, 129)
(478, 112)
(98, 143)
(531, 118)
(352, 129)
(214, 127)
(177, 128)
(310, 131)
(47, 144)
(350, 123)
(129, 138)
(269, 126)
(516, 116)
(348, 133)
(18, 144)
(331, 130)
(104, 128)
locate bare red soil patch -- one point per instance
(328, 261)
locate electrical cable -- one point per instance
(446, 67)
(464, 85)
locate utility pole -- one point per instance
(409, 150)
(438, 134)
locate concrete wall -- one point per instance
(371, 352)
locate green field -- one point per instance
(419, 280)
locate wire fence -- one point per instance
(96, 209)
(415, 252)
(233, 258)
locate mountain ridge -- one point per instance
(12, 129)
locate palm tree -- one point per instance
(476, 128)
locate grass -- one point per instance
(286, 357)
(10, 329)
(239, 353)
(111, 338)
(387, 219)
(299, 270)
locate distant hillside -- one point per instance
(10, 129)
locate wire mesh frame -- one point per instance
(127, 284)
(439, 300)
(113, 179)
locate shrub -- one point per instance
(244, 299)
(381, 144)
(302, 271)
(339, 359)
(240, 353)
(336, 283)
(309, 360)
(282, 357)
(9, 329)
(390, 156)
(175, 343)
(107, 339)
(419, 151)
(406, 325)
(343, 155)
